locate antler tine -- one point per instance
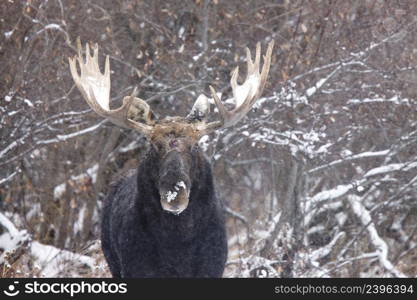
(253, 67)
(245, 95)
(266, 67)
(95, 88)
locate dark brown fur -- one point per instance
(140, 239)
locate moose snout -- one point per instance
(174, 183)
(174, 197)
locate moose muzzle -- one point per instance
(174, 183)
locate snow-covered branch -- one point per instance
(318, 200)
(8, 178)
(66, 137)
(363, 155)
(324, 251)
(91, 172)
(394, 100)
(391, 168)
(312, 90)
(10, 238)
(377, 242)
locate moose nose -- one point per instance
(174, 183)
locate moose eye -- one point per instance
(173, 143)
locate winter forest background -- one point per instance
(320, 180)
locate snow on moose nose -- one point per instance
(175, 200)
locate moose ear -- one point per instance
(200, 110)
(139, 111)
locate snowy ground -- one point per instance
(23, 257)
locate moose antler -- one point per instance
(136, 114)
(244, 95)
(95, 88)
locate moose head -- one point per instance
(172, 138)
